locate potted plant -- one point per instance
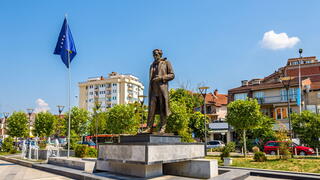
(225, 154)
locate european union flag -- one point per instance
(65, 46)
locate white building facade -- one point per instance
(108, 92)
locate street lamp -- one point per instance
(203, 91)
(60, 109)
(286, 83)
(6, 115)
(300, 52)
(30, 111)
(141, 100)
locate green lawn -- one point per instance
(4, 153)
(310, 165)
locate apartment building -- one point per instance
(3, 132)
(271, 91)
(108, 92)
(216, 109)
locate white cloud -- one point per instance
(42, 106)
(274, 41)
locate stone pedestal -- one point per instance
(197, 168)
(144, 155)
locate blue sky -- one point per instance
(213, 43)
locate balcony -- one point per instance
(275, 99)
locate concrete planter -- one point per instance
(227, 161)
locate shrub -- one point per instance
(13, 151)
(81, 150)
(259, 156)
(217, 149)
(42, 144)
(92, 152)
(284, 150)
(255, 149)
(7, 144)
(227, 149)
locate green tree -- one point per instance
(196, 124)
(18, 125)
(79, 121)
(244, 115)
(178, 121)
(307, 126)
(264, 131)
(189, 99)
(122, 119)
(184, 120)
(284, 144)
(44, 124)
(99, 119)
(60, 128)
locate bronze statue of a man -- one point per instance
(161, 73)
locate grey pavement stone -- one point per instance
(11, 171)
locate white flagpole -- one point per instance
(69, 103)
(69, 97)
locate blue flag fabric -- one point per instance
(298, 96)
(65, 46)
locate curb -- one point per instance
(17, 161)
(67, 172)
(275, 173)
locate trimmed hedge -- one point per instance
(85, 151)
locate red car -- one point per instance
(271, 148)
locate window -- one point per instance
(258, 94)
(114, 91)
(91, 93)
(242, 96)
(281, 113)
(114, 84)
(318, 94)
(292, 94)
(273, 144)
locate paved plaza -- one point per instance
(10, 171)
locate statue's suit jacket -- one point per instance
(165, 71)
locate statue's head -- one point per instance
(157, 54)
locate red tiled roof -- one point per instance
(217, 100)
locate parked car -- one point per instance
(271, 147)
(89, 143)
(215, 144)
